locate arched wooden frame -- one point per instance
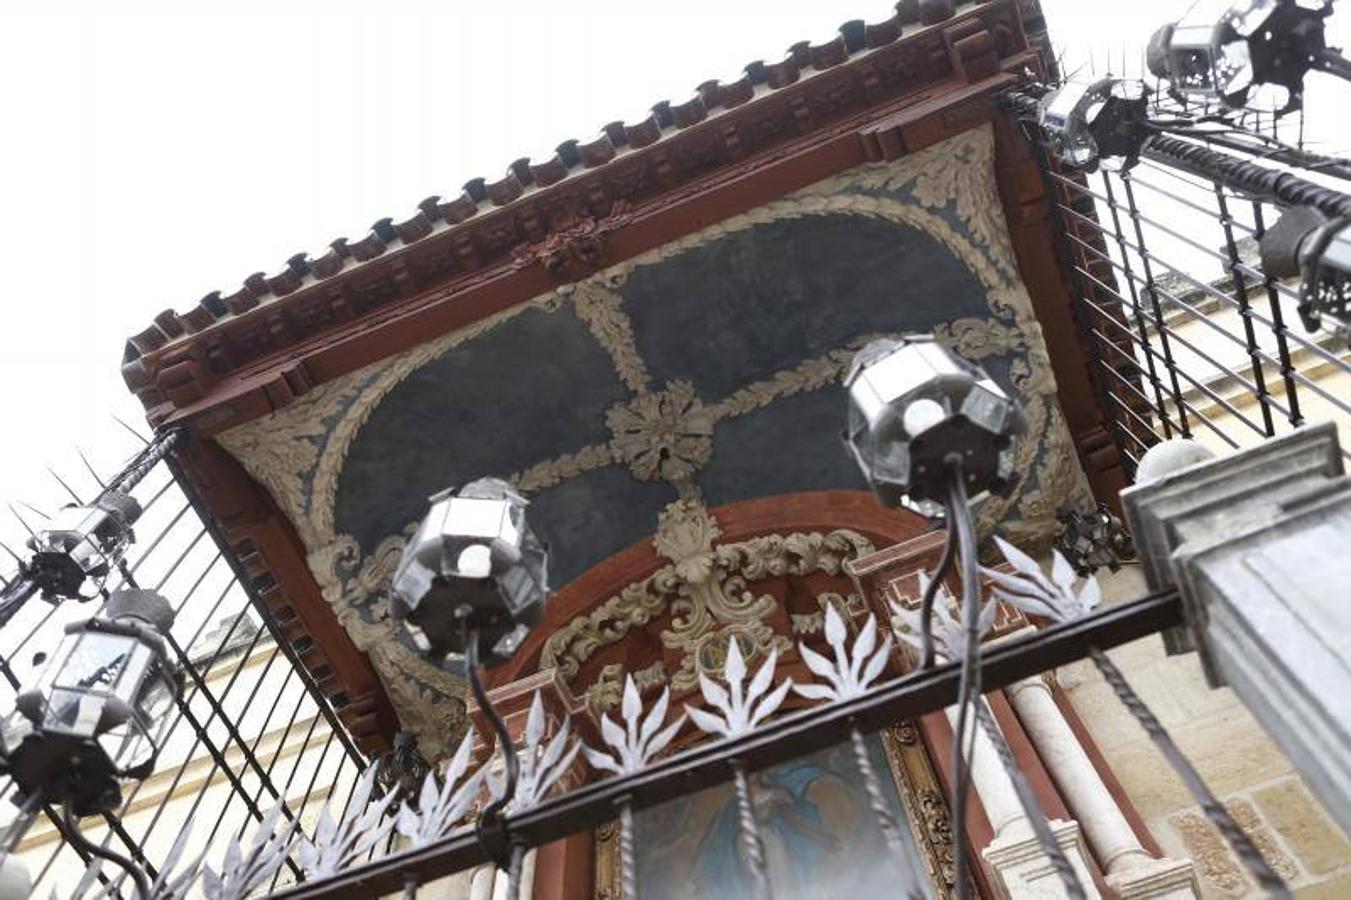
(574, 868)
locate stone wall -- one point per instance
(1233, 754)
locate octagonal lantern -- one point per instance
(474, 570)
(82, 543)
(98, 712)
(1225, 49)
(915, 408)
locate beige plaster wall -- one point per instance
(1233, 754)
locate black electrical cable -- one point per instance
(926, 602)
(968, 687)
(77, 838)
(490, 826)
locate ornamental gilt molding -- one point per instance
(707, 590)
(664, 432)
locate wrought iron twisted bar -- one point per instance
(751, 844)
(965, 529)
(909, 888)
(628, 857)
(1219, 816)
(1035, 816)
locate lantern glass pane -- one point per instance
(470, 517)
(96, 661)
(74, 711)
(127, 745)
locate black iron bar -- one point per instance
(1327, 357)
(1066, 256)
(1223, 371)
(1205, 420)
(791, 735)
(1153, 296)
(1134, 305)
(1216, 398)
(1215, 326)
(269, 621)
(1278, 321)
(1245, 311)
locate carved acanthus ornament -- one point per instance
(707, 590)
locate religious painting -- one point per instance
(821, 838)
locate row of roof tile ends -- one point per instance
(854, 37)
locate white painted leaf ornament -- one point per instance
(1031, 591)
(442, 806)
(640, 739)
(739, 711)
(854, 669)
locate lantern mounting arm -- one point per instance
(79, 841)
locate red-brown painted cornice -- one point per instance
(875, 92)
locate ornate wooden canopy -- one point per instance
(273, 356)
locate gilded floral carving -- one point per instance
(706, 589)
(666, 435)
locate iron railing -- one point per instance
(250, 729)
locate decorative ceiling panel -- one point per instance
(707, 370)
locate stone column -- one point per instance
(1020, 867)
(1130, 870)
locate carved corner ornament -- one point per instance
(578, 249)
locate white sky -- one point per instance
(153, 152)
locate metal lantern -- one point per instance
(1086, 122)
(81, 543)
(1093, 540)
(1306, 244)
(1224, 53)
(99, 710)
(914, 407)
(474, 568)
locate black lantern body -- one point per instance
(473, 567)
(1306, 244)
(912, 406)
(99, 709)
(1249, 43)
(82, 543)
(1088, 122)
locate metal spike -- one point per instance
(69, 490)
(140, 437)
(5, 547)
(33, 509)
(90, 467)
(16, 515)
